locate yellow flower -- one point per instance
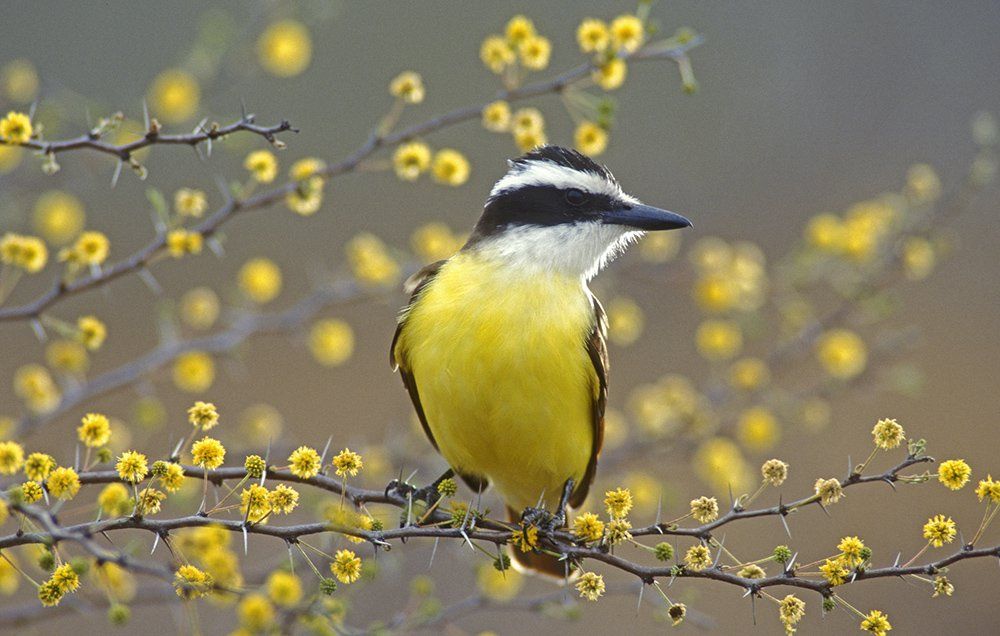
(262, 165)
(954, 473)
(115, 500)
(150, 500)
(829, 490)
(592, 35)
(411, 160)
(498, 585)
(697, 558)
(194, 371)
(284, 49)
(38, 466)
(876, 622)
(590, 586)
(530, 139)
(719, 339)
(611, 74)
(618, 502)
(660, 247)
(260, 280)
(307, 196)
(519, 29)
(260, 423)
(284, 589)
(304, 462)
(174, 96)
(370, 260)
(825, 232)
(852, 549)
(347, 462)
(183, 242)
(190, 582)
(15, 128)
(989, 489)
(58, 216)
(922, 184)
(588, 527)
(63, 483)
(203, 415)
(94, 430)
(434, 242)
(117, 580)
(171, 475)
(27, 252)
(496, 116)
(527, 120)
(749, 374)
(943, 586)
(331, 342)
(496, 54)
(91, 332)
(720, 462)
(208, 453)
(408, 86)
(918, 258)
(65, 579)
(888, 434)
(132, 466)
(67, 356)
(254, 503)
(189, 202)
(535, 52)
(450, 167)
(617, 531)
(705, 509)
(791, 609)
(10, 159)
(625, 321)
(758, 429)
(590, 139)
(774, 471)
(525, 538)
(835, 571)
(346, 566)
(283, 499)
(91, 248)
(940, 530)
(11, 457)
(33, 383)
(752, 571)
(306, 168)
(200, 308)
(627, 33)
(842, 353)
(20, 80)
(31, 491)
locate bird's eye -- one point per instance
(575, 197)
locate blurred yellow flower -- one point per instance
(193, 371)
(183, 242)
(825, 232)
(20, 81)
(260, 280)
(199, 308)
(331, 342)
(58, 216)
(305, 168)
(526, 120)
(627, 33)
(530, 139)
(758, 429)
(535, 52)
(498, 585)
(450, 167)
(611, 74)
(918, 258)
(496, 116)
(115, 500)
(203, 415)
(261, 422)
(408, 86)
(434, 242)
(35, 386)
(660, 247)
(10, 158)
(842, 353)
(922, 184)
(190, 202)
(720, 463)
(284, 588)
(262, 165)
(715, 293)
(590, 139)
(307, 196)
(625, 321)
(91, 332)
(284, 49)
(411, 160)
(68, 356)
(519, 29)
(90, 248)
(174, 96)
(11, 457)
(63, 483)
(26, 252)
(15, 128)
(496, 54)
(38, 466)
(370, 260)
(749, 374)
(592, 35)
(719, 339)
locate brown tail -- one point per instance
(537, 562)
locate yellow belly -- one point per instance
(501, 366)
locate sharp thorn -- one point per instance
(642, 589)
(326, 449)
(156, 542)
(117, 173)
(784, 522)
(434, 550)
(151, 282)
(145, 115)
(39, 329)
(245, 540)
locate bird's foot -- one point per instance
(547, 522)
(421, 499)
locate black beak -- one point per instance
(645, 217)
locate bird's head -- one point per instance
(556, 210)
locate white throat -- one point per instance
(574, 250)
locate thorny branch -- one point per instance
(438, 526)
(145, 256)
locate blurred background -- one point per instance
(801, 109)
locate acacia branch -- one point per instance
(142, 258)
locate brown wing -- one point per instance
(597, 348)
(414, 285)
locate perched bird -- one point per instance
(502, 346)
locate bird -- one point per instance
(502, 347)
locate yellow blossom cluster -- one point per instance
(447, 165)
(28, 253)
(520, 46)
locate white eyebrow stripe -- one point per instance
(546, 173)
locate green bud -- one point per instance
(782, 554)
(104, 455)
(829, 604)
(327, 586)
(119, 614)
(501, 563)
(664, 551)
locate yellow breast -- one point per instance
(501, 365)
